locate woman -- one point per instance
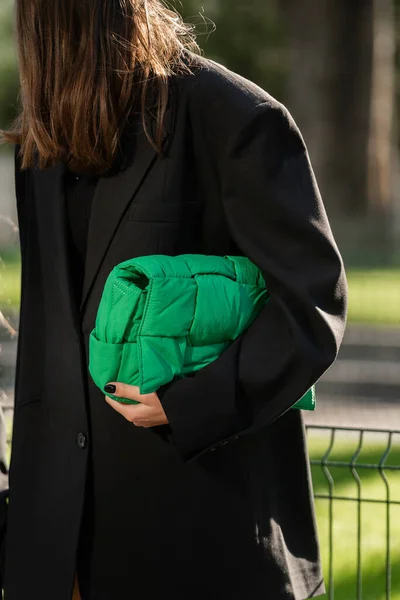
(204, 490)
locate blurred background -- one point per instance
(335, 65)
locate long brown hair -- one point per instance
(85, 67)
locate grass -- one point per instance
(10, 282)
(373, 520)
(374, 296)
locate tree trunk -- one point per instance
(382, 142)
(329, 93)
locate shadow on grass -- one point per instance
(373, 584)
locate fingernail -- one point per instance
(110, 388)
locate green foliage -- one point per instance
(249, 38)
(9, 84)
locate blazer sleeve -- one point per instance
(276, 218)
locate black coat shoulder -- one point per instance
(219, 103)
(213, 86)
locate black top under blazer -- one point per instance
(219, 505)
(78, 196)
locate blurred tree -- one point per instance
(329, 89)
(396, 170)
(383, 142)
(342, 87)
(9, 83)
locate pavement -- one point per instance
(362, 388)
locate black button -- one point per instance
(81, 440)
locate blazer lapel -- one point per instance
(112, 197)
(52, 225)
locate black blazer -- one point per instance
(221, 507)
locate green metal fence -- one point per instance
(354, 468)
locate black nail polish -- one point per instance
(110, 388)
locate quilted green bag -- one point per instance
(163, 317)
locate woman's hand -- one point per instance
(149, 413)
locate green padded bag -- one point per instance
(163, 317)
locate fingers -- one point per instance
(129, 411)
(138, 414)
(131, 392)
